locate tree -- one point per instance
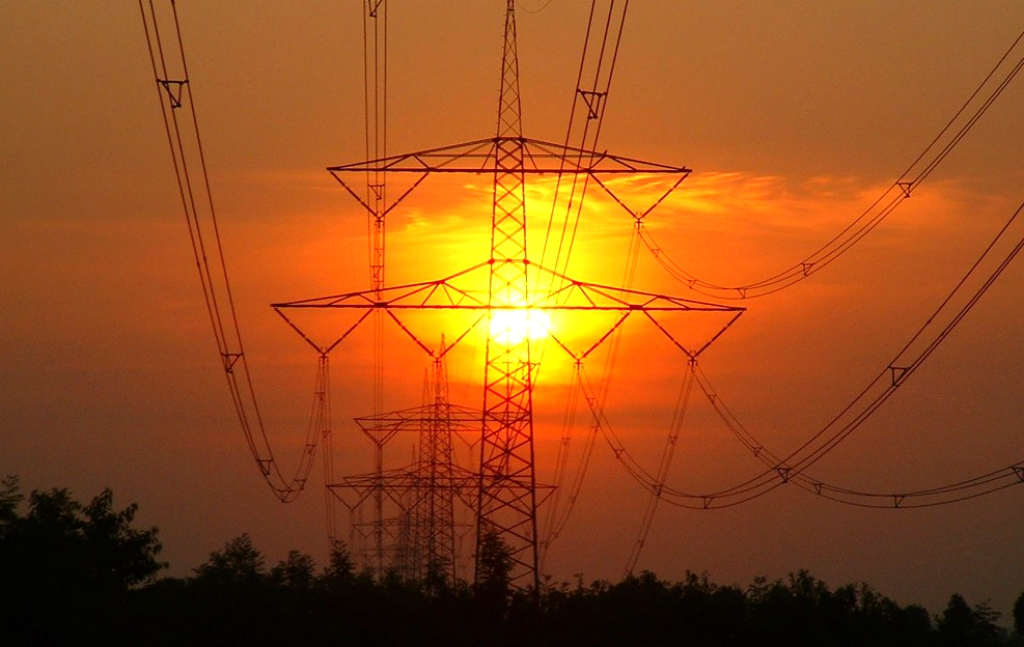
(239, 562)
(964, 626)
(340, 569)
(233, 596)
(494, 570)
(436, 580)
(295, 572)
(1018, 615)
(69, 568)
(10, 498)
(121, 556)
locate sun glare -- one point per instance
(513, 326)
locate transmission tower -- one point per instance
(507, 495)
(506, 487)
(417, 523)
(432, 517)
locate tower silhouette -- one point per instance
(506, 486)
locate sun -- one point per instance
(515, 325)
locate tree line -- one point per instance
(74, 573)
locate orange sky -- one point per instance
(794, 117)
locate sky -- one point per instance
(794, 117)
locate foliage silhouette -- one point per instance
(1018, 616)
(494, 571)
(77, 573)
(68, 568)
(960, 625)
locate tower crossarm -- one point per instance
(354, 489)
(482, 156)
(414, 418)
(462, 421)
(397, 482)
(463, 291)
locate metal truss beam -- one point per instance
(539, 157)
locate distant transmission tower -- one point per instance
(417, 525)
(432, 515)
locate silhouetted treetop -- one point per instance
(1018, 616)
(238, 562)
(67, 568)
(297, 571)
(74, 573)
(961, 625)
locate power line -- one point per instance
(792, 467)
(894, 195)
(586, 118)
(174, 91)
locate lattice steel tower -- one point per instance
(418, 532)
(507, 500)
(505, 486)
(432, 514)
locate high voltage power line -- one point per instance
(506, 489)
(959, 125)
(908, 360)
(891, 198)
(175, 94)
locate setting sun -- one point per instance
(513, 326)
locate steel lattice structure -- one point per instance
(505, 485)
(507, 493)
(432, 517)
(418, 538)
